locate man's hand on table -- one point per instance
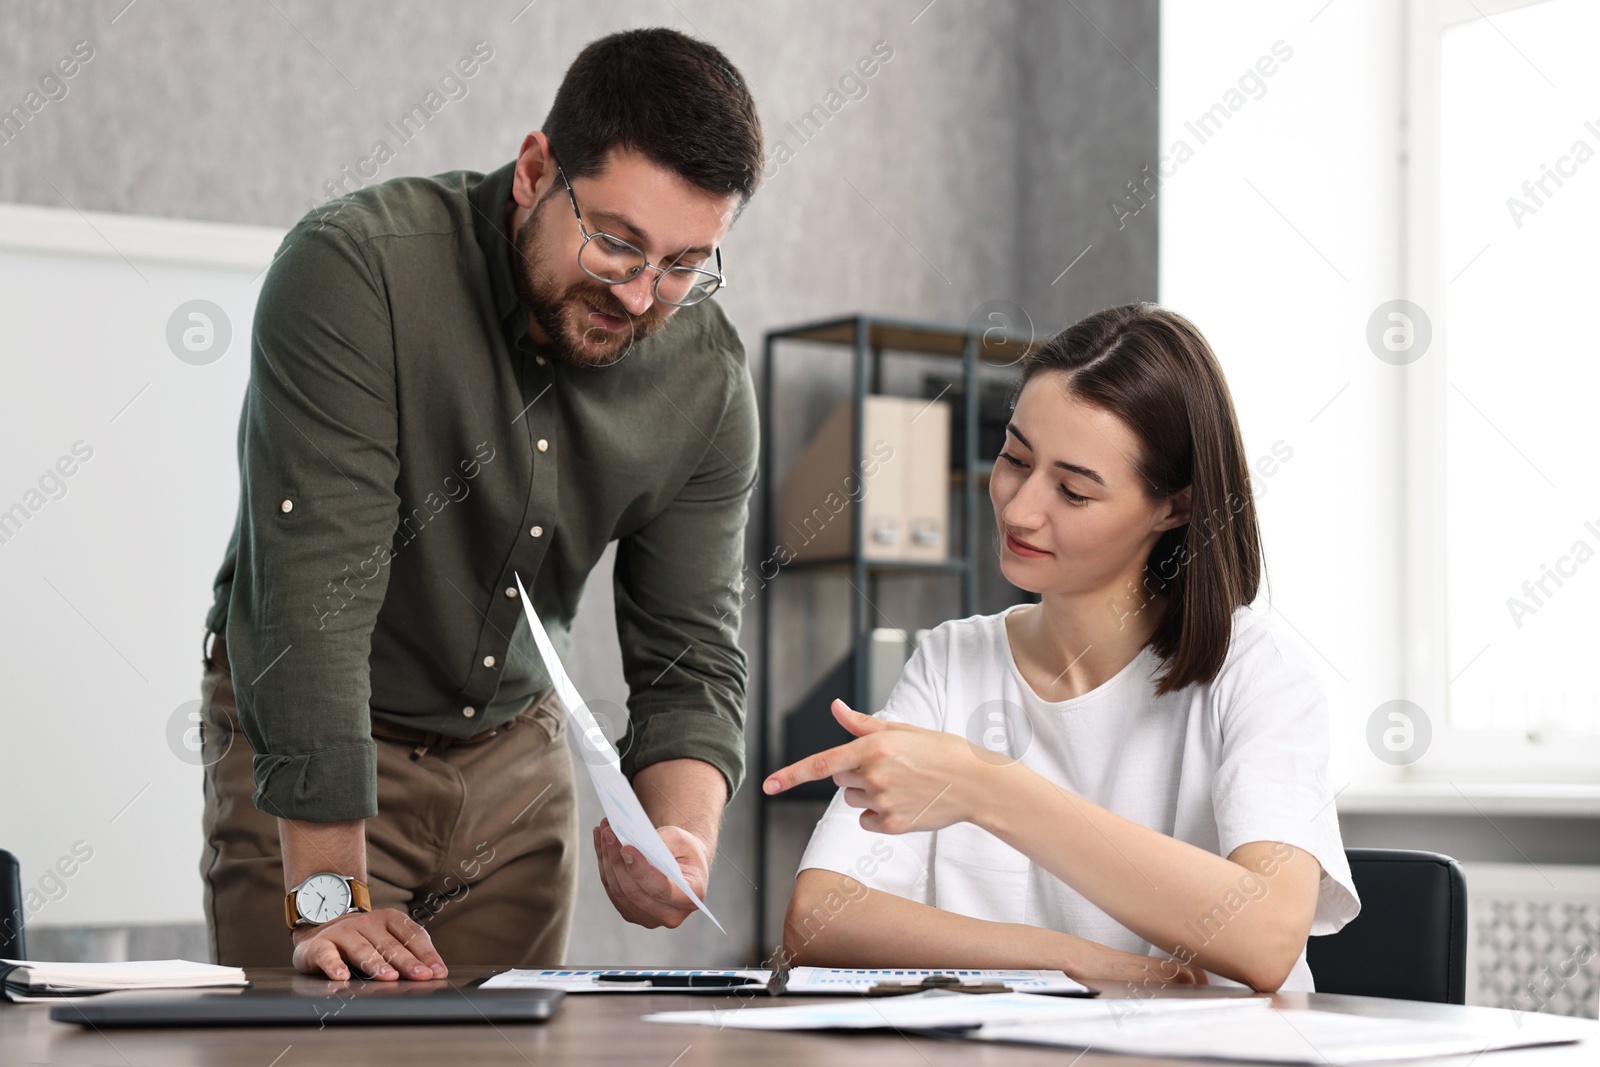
(386, 944)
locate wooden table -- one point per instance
(607, 1029)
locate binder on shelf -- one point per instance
(927, 483)
(901, 482)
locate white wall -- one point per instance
(1279, 236)
(105, 584)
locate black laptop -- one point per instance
(361, 1004)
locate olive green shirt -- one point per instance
(406, 451)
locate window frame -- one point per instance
(1426, 671)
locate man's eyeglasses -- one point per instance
(614, 261)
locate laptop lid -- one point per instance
(361, 1004)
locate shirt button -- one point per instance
(537, 531)
(543, 445)
(469, 711)
(488, 661)
(511, 591)
(287, 506)
(540, 360)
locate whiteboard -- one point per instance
(106, 571)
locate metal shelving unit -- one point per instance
(868, 338)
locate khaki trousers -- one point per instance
(475, 840)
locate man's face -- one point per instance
(588, 322)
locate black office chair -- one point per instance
(11, 944)
(1410, 940)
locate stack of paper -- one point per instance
(1212, 1027)
(1296, 1037)
(945, 1010)
(29, 981)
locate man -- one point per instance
(456, 382)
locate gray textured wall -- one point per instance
(980, 162)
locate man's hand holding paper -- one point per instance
(654, 877)
(642, 894)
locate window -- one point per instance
(1504, 520)
(1372, 153)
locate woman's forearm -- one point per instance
(836, 921)
(1245, 920)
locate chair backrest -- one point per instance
(1410, 940)
(12, 946)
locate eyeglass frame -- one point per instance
(655, 294)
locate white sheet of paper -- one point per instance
(628, 819)
(1295, 1037)
(942, 1009)
(845, 980)
(583, 981)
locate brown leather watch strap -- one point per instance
(289, 915)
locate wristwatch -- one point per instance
(324, 896)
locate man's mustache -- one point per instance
(601, 299)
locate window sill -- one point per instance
(1471, 798)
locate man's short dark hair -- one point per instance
(675, 100)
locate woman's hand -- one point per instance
(904, 777)
(1095, 962)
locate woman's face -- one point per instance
(1074, 518)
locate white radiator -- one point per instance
(1533, 937)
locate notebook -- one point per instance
(30, 980)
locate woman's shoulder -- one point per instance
(1259, 636)
(1264, 651)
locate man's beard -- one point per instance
(564, 315)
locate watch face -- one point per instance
(322, 897)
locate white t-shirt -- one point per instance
(1242, 759)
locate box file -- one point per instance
(901, 482)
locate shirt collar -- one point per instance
(489, 200)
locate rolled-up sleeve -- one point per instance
(318, 461)
(678, 589)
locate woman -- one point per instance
(1135, 765)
